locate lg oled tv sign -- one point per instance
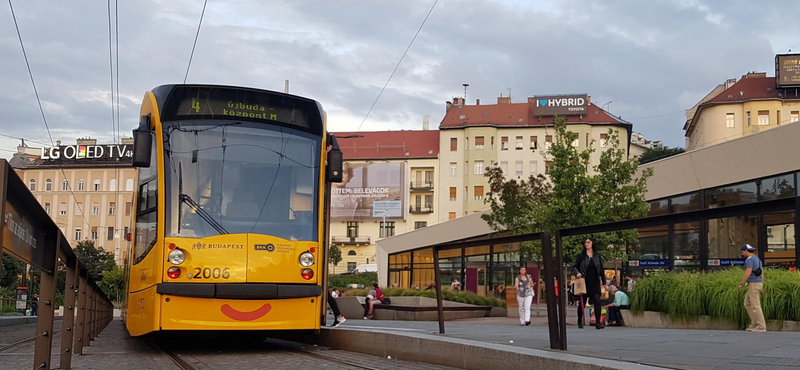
(561, 105)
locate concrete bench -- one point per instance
(412, 309)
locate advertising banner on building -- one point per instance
(787, 70)
(369, 191)
(561, 105)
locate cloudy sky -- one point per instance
(651, 59)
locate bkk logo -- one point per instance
(265, 247)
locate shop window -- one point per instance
(780, 232)
(686, 245)
(685, 203)
(653, 244)
(727, 235)
(732, 195)
(658, 207)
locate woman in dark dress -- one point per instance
(589, 265)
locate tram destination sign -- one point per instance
(787, 70)
(194, 103)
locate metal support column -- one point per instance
(80, 327)
(796, 229)
(549, 275)
(47, 303)
(436, 275)
(562, 293)
(3, 190)
(68, 324)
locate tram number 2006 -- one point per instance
(211, 273)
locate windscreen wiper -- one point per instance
(185, 198)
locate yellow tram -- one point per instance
(230, 226)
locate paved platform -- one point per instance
(676, 349)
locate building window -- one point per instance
(763, 118)
(112, 208)
(479, 142)
(351, 253)
(504, 167)
(748, 119)
(32, 185)
(466, 143)
(77, 233)
(479, 167)
(387, 229)
(47, 208)
(94, 233)
(79, 209)
(492, 139)
(429, 201)
(519, 143)
(48, 185)
(62, 208)
(518, 167)
(110, 233)
(534, 168)
(576, 142)
(420, 224)
(125, 234)
(466, 191)
(548, 142)
(128, 206)
(112, 185)
(547, 167)
(603, 140)
(729, 120)
(504, 143)
(453, 144)
(795, 116)
(479, 193)
(351, 266)
(466, 167)
(95, 208)
(451, 215)
(352, 229)
(129, 185)
(96, 184)
(534, 142)
(453, 194)
(80, 184)
(453, 169)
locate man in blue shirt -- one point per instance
(621, 302)
(753, 275)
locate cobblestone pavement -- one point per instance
(113, 348)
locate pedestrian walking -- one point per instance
(35, 305)
(589, 266)
(524, 296)
(338, 318)
(754, 277)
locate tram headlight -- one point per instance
(176, 256)
(306, 259)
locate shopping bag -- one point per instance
(580, 286)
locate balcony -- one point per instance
(420, 209)
(344, 239)
(422, 185)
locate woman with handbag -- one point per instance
(589, 266)
(524, 296)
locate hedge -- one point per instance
(686, 295)
(447, 295)
(342, 281)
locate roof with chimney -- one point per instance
(752, 86)
(403, 144)
(508, 114)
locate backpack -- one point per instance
(386, 300)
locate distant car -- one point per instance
(367, 267)
(651, 256)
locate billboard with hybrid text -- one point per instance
(369, 191)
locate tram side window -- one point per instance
(146, 209)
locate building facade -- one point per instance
(513, 136)
(389, 187)
(86, 188)
(739, 108)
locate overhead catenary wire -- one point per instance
(196, 36)
(39, 101)
(111, 71)
(397, 65)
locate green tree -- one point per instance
(95, 259)
(12, 269)
(576, 194)
(113, 283)
(651, 155)
(335, 255)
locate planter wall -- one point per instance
(658, 320)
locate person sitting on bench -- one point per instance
(621, 302)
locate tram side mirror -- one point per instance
(333, 171)
(142, 143)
